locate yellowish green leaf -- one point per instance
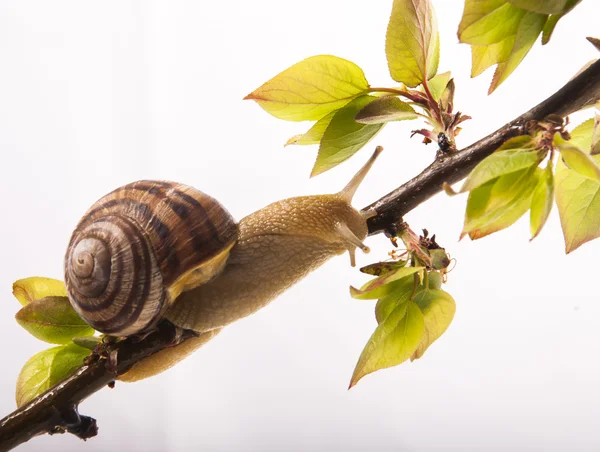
(486, 22)
(412, 43)
(385, 109)
(510, 32)
(46, 369)
(403, 289)
(549, 27)
(35, 288)
(377, 288)
(52, 319)
(310, 89)
(499, 164)
(393, 342)
(499, 203)
(315, 133)
(438, 309)
(578, 201)
(438, 84)
(541, 201)
(580, 161)
(89, 342)
(344, 136)
(529, 29)
(485, 56)
(595, 145)
(545, 6)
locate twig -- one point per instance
(56, 411)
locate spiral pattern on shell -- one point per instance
(134, 244)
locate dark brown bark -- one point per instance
(56, 411)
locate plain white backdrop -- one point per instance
(97, 94)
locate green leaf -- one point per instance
(438, 84)
(310, 89)
(595, 145)
(402, 291)
(485, 56)
(549, 27)
(35, 288)
(541, 201)
(89, 342)
(385, 109)
(344, 136)
(580, 161)
(499, 203)
(378, 287)
(499, 164)
(545, 6)
(509, 31)
(46, 369)
(52, 319)
(486, 22)
(412, 44)
(438, 309)
(530, 28)
(581, 136)
(578, 202)
(393, 342)
(315, 133)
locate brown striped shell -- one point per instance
(140, 246)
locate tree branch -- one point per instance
(56, 411)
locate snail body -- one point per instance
(153, 250)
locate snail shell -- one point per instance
(138, 248)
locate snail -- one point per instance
(154, 249)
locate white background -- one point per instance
(97, 94)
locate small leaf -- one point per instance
(315, 133)
(581, 136)
(385, 109)
(382, 268)
(580, 162)
(546, 6)
(310, 89)
(595, 146)
(530, 28)
(541, 201)
(488, 22)
(499, 164)
(438, 309)
(549, 27)
(46, 369)
(509, 31)
(499, 203)
(35, 288)
(403, 290)
(377, 288)
(447, 98)
(52, 319)
(485, 56)
(344, 136)
(89, 342)
(393, 342)
(412, 44)
(578, 202)
(438, 84)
